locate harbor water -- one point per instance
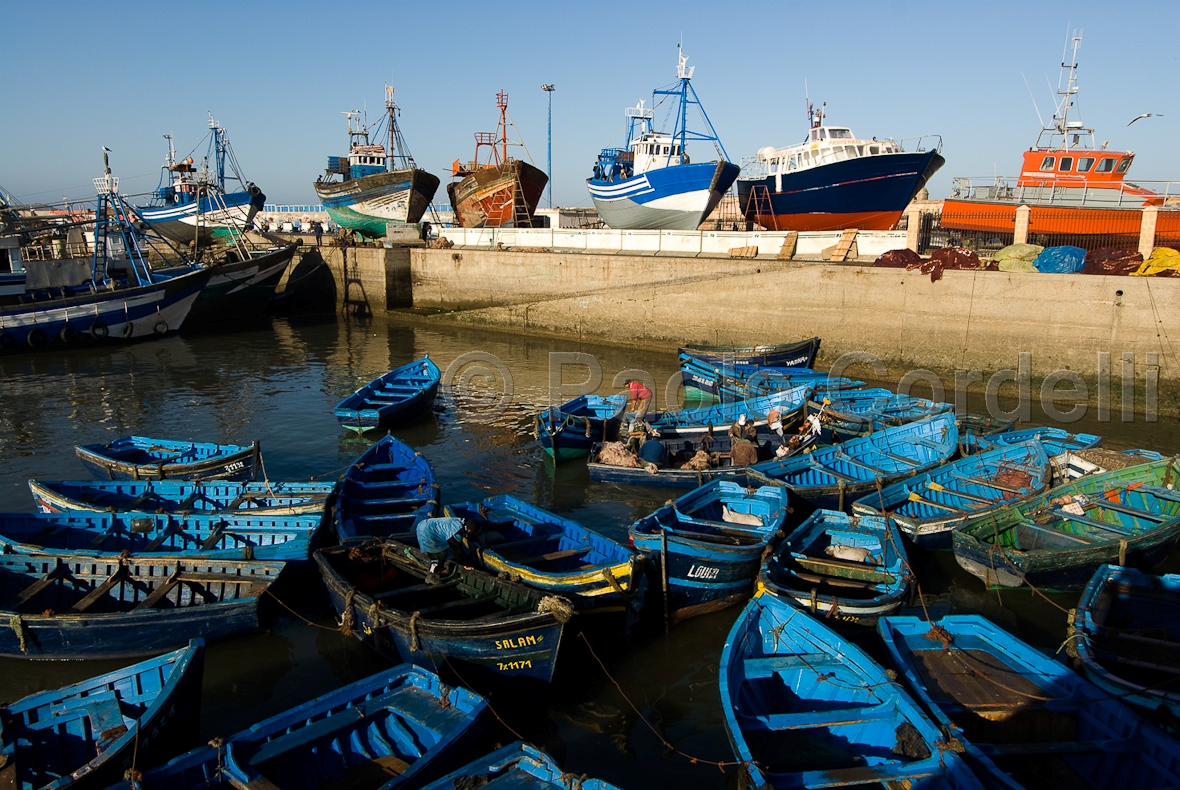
(278, 384)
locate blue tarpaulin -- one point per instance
(1061, 260)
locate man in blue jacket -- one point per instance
(438, 537)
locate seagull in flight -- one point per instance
(1146, 115)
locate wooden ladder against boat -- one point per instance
(521, 216)
(759, 207)
(844, 246)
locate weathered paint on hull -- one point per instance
(680, 211)
(180, 223)
(366, 204)
(240, 290)
(487, 198)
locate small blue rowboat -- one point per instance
(394, 397)
(848, 414)
(800, 354)
(86, 607)
(518, 765)
(703, 381)
(182, 496)
(1056, 440)
(844, 568)
(216, 536)
(551, 553)
(1056, 540)
(1125, 637)
(142, 458)
(693, 423)
(806, 708)
(86, 734)
(384, 493)
(707, 546)
(567, 431)
(380, 592)
(396, 729)
(688, 463)
(929, 506)
(831, 477)
(1025, 718)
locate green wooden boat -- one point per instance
(1057, 540)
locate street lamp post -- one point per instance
(549, 88)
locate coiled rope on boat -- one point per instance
(18, 627)
(561, 609)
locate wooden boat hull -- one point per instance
(385, 491)
(240, 290)
(679, 197)
(141, 458)
(1036, 542)
(182, 496)
(552, 553)
(365, 205)
(1055, 440)
(1124, 636)
(211, 536)
(805, 708)
(1024, 718)
(501, 196)
(107, 607)
(207, 221)
(928, 507)
(848, 418)
(784, 355)
(523, 644)
(400, 394)
(698, 422)
(568, 431)
(683, 478)
(837, 589)
(517, 765)
(85, 735)
(831, 477)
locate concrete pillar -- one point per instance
(1021, 233)
(912, 228)
(1147, 230)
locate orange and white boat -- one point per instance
(499, 192)
(1071, 186)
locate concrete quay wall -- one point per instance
(967, 320)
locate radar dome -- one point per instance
(767, 153)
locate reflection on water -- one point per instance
(279, 385)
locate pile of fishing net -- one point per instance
(1010, 477)
(700, 462)
(1017, 258)
(899, 259)
(947, 258)
(617, 454)
(1112, 260)
(1163, 262)
(1108, 459)
(1060, 260)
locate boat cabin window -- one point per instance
(1066, 164)
(874, 149)
(840, 134)
(815, 134)
(1085, 163)
(1048, 162)
(665, 149)
(1123, 165)
(1105, 165)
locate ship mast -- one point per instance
(502, 103)
(1061, 125)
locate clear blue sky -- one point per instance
(277, 75)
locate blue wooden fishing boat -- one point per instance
(650, 182)
(395, 729)
(143, 458)
(688, 463)
(86, 607)
(216, 536)
(1055, 440)
(517, 765)
(852, 413)
(831, 477)
(88, 733)
(800, 354)
(705, 381)
(693, 423)
(707, 546)
(983, 424)
(806, 708)
(380, 592)
(843, 568)
(551, 553)
(183, 496)
(1024, 718)
(1058, 539)
(394, 397)
(567, 431)
(927, 507)
(1125, 637)
(385, 491)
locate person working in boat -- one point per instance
(743, 448)
(640, 398)
(447, 538)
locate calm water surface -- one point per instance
(278, 384)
